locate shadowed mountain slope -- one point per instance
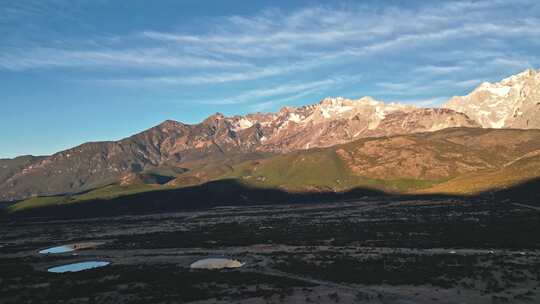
(219, 146)
(224, 192)
(232, 193)
(454, 162)
(172, 148)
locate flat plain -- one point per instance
(372, 250)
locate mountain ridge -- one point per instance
(454, 162)
(406, 163)
(514, 102)
(209, 148)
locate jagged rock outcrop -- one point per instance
(176, 146)
(339, 120)
(512, 103)
(171, 148)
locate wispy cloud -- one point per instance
(271, 103)
(280, 90)
(215, 77)
(424, 102)
(148, 58)
(439, 70)
(422, 88)
(426, 49)
(283, 91)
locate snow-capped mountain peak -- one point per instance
(336, 120)
(514, 102)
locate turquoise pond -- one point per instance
(78, 266)
(58, 249)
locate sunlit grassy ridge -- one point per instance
(510, 175)
(453, 161)
(107, 192)
(317, 169)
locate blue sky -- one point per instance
(77, 71)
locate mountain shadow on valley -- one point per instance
(230, 192)
(527, 192)
(226, 192)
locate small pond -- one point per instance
(57, 249)
(216, 263)
(78, 266)
(69, 248)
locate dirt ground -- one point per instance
(433, 251)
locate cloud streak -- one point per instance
(148, 58)
(286, 89)
(440, 46)
(274, 91)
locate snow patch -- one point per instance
(499, 91)
(380, 113)
(498, 124)
(325, 113)
(243, 123)
(294, 117)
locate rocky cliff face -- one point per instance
(512, 103)
(168, 145)
(339, 120)
(456, 160)
(174, 145)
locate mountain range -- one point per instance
(336, 144)
(512, 103)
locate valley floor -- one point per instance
(373, 251)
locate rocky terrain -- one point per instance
(173, 147)
(464, 162)
(192, 154)
(367, 251)
(339, 120)
(512, 103)
(406, 163)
